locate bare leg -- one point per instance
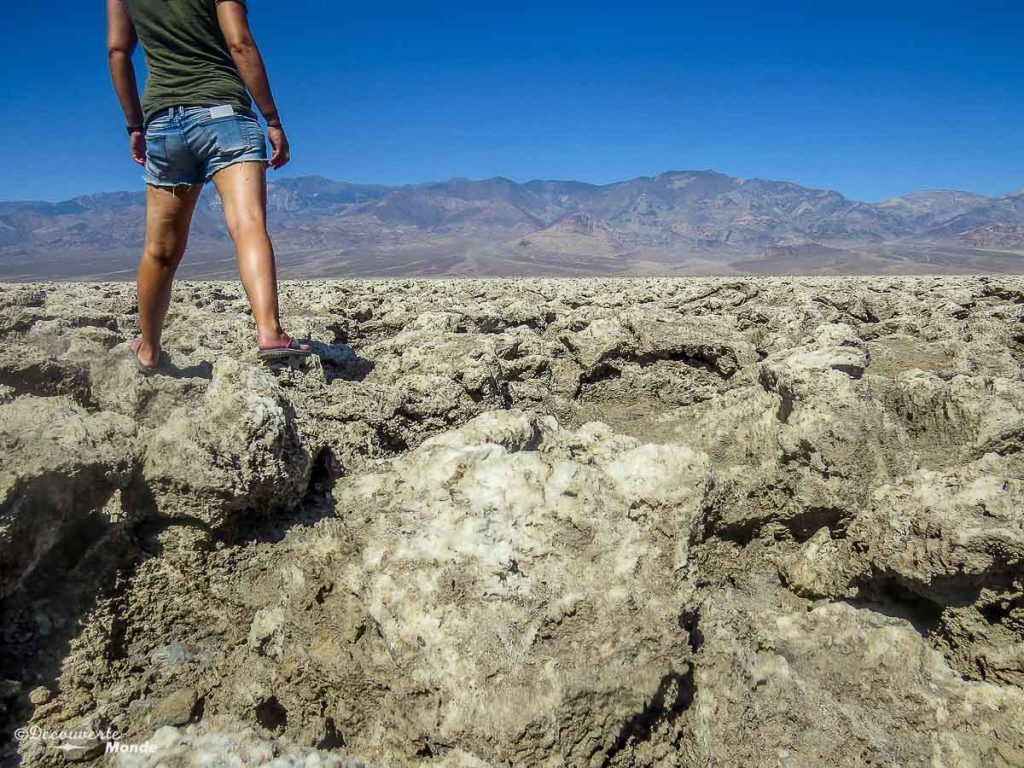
(243, 191)
(168, 215)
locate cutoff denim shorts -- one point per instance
(187, 145)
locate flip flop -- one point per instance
(293, 350)
(145, 370)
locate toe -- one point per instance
(291, 341)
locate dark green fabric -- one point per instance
(188, 61)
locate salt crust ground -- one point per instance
(706, 522)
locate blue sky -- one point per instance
(873, 99)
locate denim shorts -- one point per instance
(187, 145)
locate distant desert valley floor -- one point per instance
(676, 223)
(726, 522)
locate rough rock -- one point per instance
(60, 466)
(40, 695)
(170, 657)
(834, 685)
(174, 709)
(658, 522)
(235, 450)
(459, 570)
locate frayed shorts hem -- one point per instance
(171, 184)
(213, 172)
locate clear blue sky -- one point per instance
(873, 99)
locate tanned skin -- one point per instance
(234, 25)
(242, 188)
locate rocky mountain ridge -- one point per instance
(666, 219)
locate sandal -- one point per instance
(292, 350)
(145, 370)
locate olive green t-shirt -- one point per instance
(188, 60)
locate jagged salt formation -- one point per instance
(588, 522)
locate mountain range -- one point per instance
(679, 222)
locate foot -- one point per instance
(279, 341)
(147, 354)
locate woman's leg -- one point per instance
(168, 215)
(243, 191)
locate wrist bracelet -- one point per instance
(133, 129)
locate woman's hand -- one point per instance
(282, 152)
(137, 146)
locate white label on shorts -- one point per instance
(226, 111)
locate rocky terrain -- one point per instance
(676, 223)
(657, 522)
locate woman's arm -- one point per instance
(121, 42)
(234, 25)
